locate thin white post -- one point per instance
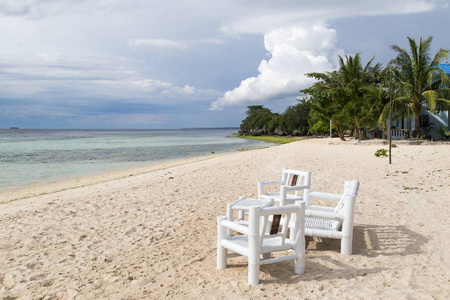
(266, 222)
(307, 190)
(284, 175)
(221, 251)
(229, 216)
(229, 211)
(283, 194)
(300, 235)
(347, 226)
(241, 212)
(253, 246)
(260, 189)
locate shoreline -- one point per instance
(72, 183)
(33, 190)
(88, 153)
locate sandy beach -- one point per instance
(150, 233)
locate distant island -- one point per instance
(13, 127)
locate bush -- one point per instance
(258, 117)
(381, 152)
(320, 127)
(294, 118)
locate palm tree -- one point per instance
(377, 96)
(354, 79)
(416, 74)
(325, 100)
(344, 103)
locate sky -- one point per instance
(165, 64)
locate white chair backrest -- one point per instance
(295, 177)
(270, 220)
(350, 189)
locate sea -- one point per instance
(33, 157)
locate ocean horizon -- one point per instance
(39, 156)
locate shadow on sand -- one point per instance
(324, 261)
(374, 240)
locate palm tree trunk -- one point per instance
(356, 130)
(339, 130)
(416, 113)
(361, 133)
(417, 125)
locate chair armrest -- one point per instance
(235, 226)
(262, 184)
(324, 215)
(273, 182)
(323, 195)
(296, 187)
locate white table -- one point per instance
(243, 204)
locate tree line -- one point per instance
(356, 97)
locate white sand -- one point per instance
(151, 233)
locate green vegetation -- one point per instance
(257, 117)
(347, 97)
(272, 139)
(261, 120)
(381, 152)
(356, 97)
(442, 131)
(248, 149)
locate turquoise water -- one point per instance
(29, 157)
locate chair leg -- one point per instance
(299, 267)
(221, 257)
(300, 246)
(221, 251)
(253, 246)
(347, 226)
(346, 245)
(253, 273)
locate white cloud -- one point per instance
(43, 8)
(294, 52)
(50, 76)
(14, 7)
(260, 17)
(164, 46)
(129, 119)
(36, 8)
(158, 45)
(30, 111)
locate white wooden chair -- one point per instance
(292, 183)
(333, 222)
(262, 236)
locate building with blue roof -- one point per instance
(429, 123)
(445, 68)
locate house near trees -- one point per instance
(431, 124)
